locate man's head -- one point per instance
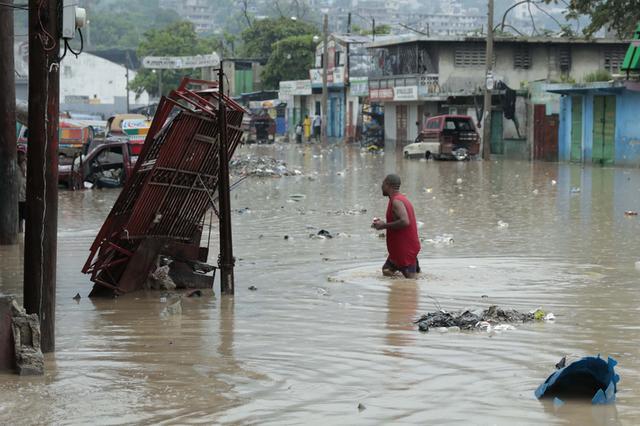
(391, 185)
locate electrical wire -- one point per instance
(67, 46)
(15, 6)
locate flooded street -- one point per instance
(325, 332)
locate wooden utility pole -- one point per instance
(226, 261)
(486, 111)
(8, 149)
(40, 247)
(325, 69)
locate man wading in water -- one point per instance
(402, 231)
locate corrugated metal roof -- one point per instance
(413, 38)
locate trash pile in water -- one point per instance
(261, 167)
(491, 319)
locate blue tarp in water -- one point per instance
(589, 377)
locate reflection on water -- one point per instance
(304, 349)
(402, 303)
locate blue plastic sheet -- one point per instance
(589, 377)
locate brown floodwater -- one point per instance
(325, 332)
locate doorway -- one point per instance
(604, 127)
(401, 123)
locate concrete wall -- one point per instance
(585, 58)
(628, 129)
(89, 75)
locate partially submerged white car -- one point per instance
(446, 137)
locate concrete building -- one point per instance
(348, 61)
(243, 75)
(88, 84)
(200, 13)
(598, 122)
(414, 77)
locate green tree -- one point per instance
(618, 15)
(177, 39)
(259, 38)
(290, 60)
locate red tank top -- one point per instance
(403, 244)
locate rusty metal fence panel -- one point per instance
(174, 181)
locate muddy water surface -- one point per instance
(324, 332)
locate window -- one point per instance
(433, 124)
(613, 58)
(337, 59)
(522, 58)
(469, 56)
(564, 59)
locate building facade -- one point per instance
(598, 122)
(416, 77)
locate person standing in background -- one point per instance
(317, 123)
(307, 128)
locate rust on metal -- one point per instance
(162, 207)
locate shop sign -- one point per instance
(405, 93)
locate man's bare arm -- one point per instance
(400, 214)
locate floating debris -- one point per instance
(631, 213)
(589, 378)
(575, 190)
(438, 240)
(502, 224)
(485, 320)
(261, 167)
(253, 288)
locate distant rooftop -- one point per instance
(383, 41)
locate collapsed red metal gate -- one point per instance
(161, 209)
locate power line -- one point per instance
(15, 6)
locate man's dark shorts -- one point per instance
(411, 269)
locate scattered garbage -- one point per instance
(459, 181)
(159, 279)
(589, 377)
(253, 288)
(261, 167)
(244, 210)
(297, 197)
(286, 237)
(324, 233)
(428, 190)
(575, 190)
(502, 224)
(485, 320)
(438, 240)
(173, 308)
(194, 293)
(553, 182)
(350, 212)
(631, 213)
(77, 297)
(536, 192)
(361, 407)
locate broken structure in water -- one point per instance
(162, 209)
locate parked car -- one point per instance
(262, 128)
(74, 136)
(446, 137)
(108, 165)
